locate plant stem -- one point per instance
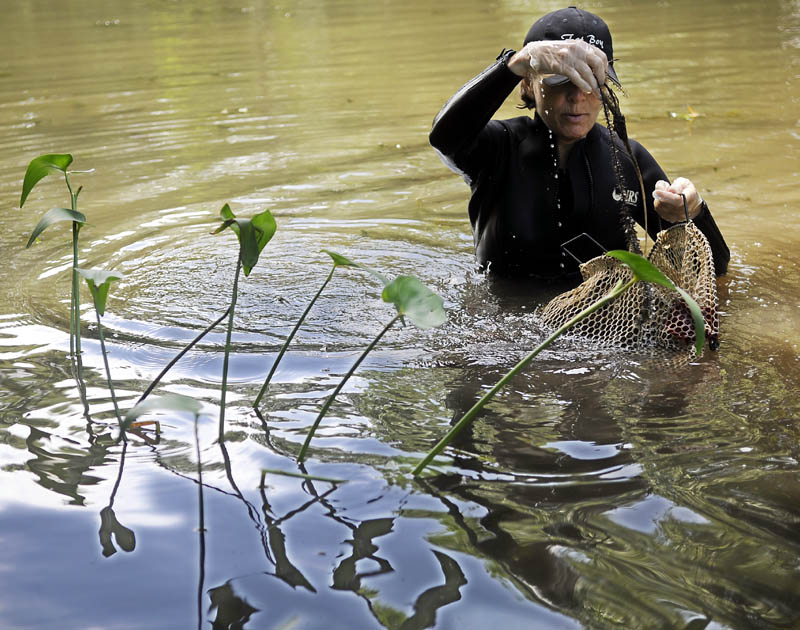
(228, 347)
(105, 360)
(77, 366)
(201, 527)
(467, 417)
(178, 356)
(74, 311)
(289, 340)
(329, 401)
(76, 291)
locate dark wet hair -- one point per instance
(615, 122)
(526, 93)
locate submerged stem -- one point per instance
(289, 339)
(228, 347)
(201, 527)
(108, 369)
(77, 367)
(467, 417)
(350, 372)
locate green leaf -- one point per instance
(413, 299)
(226, 213)
(253, 234)
(53, 216)
(168, 402)
(341, 261)
(697, 318)
(39, 168)
(265, 226)
(225, 225)
(99, 282)
(646, 271)
(642, 268)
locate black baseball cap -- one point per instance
(574, 23)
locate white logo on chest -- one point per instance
(630, 197)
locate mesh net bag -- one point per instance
(647, 317)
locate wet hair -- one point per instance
(615, 122)
(526, 92)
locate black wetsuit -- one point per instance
(523, 207)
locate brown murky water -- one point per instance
(597, 492)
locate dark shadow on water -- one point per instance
(233, 612)
(109, 525)
(533, 568)
(345, 576)
(436, 597)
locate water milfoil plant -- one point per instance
(38, 169)
(643, 271)
(411, 299)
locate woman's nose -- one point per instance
(574, 93)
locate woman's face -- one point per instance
(567, 111)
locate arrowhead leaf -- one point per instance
(99, 282)
(225, 225)
(642, 268)
(341, 261)
(253, 234)
(39, 168)
(226, 213)
(265, 226)
(53, 216)
(414, 300)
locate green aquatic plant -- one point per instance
(412, 299)
(643, 271)
(99, 282)
(38, 169)
(253, 235)
(338, 261)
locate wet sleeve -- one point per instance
(719, 248)
(461, 134)
(651, 173)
